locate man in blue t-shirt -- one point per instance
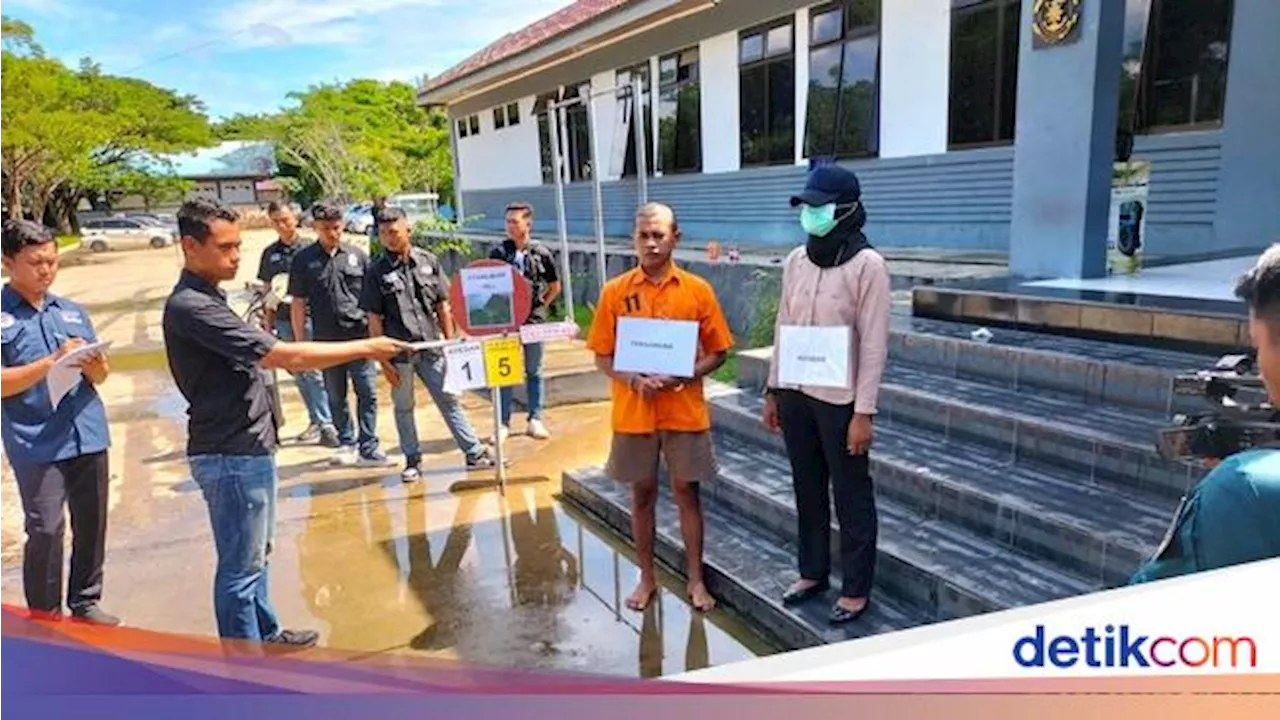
(1232, 516)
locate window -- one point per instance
(462, 127)
(575, 133)
(984, 72)
(506, 115)
(844, 70)
(473, 123)
(679, 123)
(626, 115)
(1178, 77)
(766, 94)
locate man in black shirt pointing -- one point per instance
(218, 363)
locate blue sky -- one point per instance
(246, 55)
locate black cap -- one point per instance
(829, 184)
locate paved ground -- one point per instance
(447, 566)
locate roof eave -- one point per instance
(577, 41)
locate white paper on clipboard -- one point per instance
(65, 374)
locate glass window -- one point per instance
(1182, 79)
(499, 118)
(766, 97)
(842, 119)
(540, 110)
(513, 114)
(462, 127)
(623, 78)
(679, 113)
(473, 124)
(984, 72)
(750, 48)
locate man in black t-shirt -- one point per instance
(276, 260)
(218, 362)
(538, 264)
(326, 278)
(406, 294)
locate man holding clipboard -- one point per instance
(56, 438)
(657, 332)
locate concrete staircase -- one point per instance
(1010, 472)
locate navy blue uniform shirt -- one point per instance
(35, 433)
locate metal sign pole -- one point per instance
(642, 155)
(495, 399)
(598, 200)
(554, 118)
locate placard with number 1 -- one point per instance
(464, 367)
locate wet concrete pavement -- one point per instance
(447, 567)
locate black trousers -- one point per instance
(815, 433)
(79, 485)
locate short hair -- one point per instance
(195, 215)
(524, 208)
(19, 234)
(1260, 286)
(657, 209)
(326, 211)
(388, 214)
(274, 207)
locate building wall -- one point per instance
(507, 157)
(916, 192)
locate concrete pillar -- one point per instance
(1064, 145)
(915, 61)
(1246, 214)
(720, 99)
(801, 45)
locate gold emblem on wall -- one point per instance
(1055, 22)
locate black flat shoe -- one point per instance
(794, 597)
(839, 615)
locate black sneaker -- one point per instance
(485, 461)
(297, 639)
(411, 471)
(95, 615)
(329, 437)
(310, 435)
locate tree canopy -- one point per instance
(353, 140)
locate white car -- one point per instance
(122, 233)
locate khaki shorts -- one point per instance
(689, 456)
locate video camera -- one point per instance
(1240, 416)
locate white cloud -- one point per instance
(299, 22)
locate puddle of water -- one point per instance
(508, 582)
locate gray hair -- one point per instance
(659, 210)
(1260, 286)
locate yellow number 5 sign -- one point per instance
(504, 362)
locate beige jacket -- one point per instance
(855, 294)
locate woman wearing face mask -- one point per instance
(829, 353)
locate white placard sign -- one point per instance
(463, 367)
(656, 347)
(546, 332)
(489, 293)
(814, 356)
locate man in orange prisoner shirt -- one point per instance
(658, 416)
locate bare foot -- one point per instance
(701, 599)
(642, 595)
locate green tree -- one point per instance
(18, 37)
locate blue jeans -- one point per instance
(310, 384)
(430, 367)
(240, 491)
(533, 384)
(364, 375)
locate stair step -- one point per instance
(1099, 531)
(1099, 441)
(1095, 371)
(746, 567)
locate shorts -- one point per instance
(689, 456)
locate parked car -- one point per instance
(123, 233)
(359, 218)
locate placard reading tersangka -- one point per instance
(656, 347)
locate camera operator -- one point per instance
(1233, 515)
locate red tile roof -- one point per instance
(557, 23)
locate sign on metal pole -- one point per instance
(558, 169)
